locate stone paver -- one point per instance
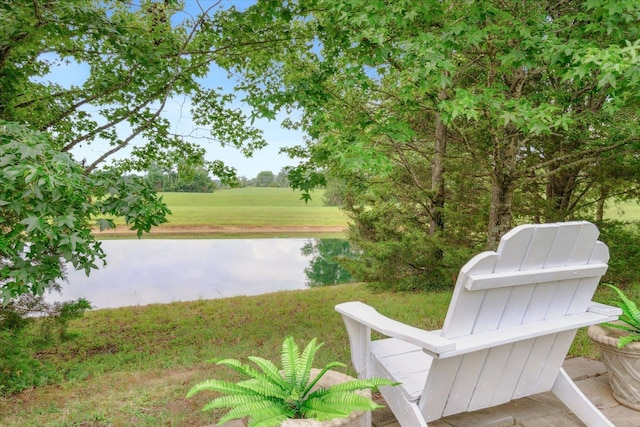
(383, 417)
(580, 368)
(555, 420)
(532, 407)
(622, 416)
(484, 417)
(541, 410)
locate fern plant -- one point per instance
(630, 318)
(272, 395)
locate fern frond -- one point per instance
(269, 417)
(240, 367)
(256, 410)
(321, 412)
(634, 323)
(219, 386)
(630, 312)
(271, 371)
(231, 401)
(352, 401)
(336, 405)
(625, 328)
(269, 395)
(266, 388)
(290, 355)
(622, 341)
(324, 370)
(305, 362)
(360, 384)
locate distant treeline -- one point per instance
(198, 180)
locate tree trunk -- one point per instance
(437, 178)
(500, 215)
(600, 204)
(502, 191)
(560, 190)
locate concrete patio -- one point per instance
(541, 410)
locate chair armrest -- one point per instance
(605, 310)
(512, 334)
(367, 315)
(442, 348)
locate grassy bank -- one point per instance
(246, 211)
(133, 366)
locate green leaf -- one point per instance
(68, 220)
(270, 370)
(32, 223)
(219, 386)
(630, 316)
(268, 398)
(262, 413)
(30, 151)
(105, 224)
(289, 358)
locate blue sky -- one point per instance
(277, 137)
(177, 111)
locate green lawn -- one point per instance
(628, 211)
(264, 211)
(250, 206)
(278, 207)
(134, 365)
(253, 207)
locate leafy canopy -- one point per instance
(81, 83)
(446, 122)
(48, 205)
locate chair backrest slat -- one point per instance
(539, 272)
(536, 253)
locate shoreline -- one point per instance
(220, 231)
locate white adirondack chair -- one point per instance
(511, 320)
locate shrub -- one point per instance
(623, 239)
(29, 324)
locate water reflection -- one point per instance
(159, 271)
(324, 268)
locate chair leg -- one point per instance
(407, 414)
(569, 393)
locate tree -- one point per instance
(282, 179)
(49, 205)
(193, 179)
(130, 61)
(265, 179)
(450, 121)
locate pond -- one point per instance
(140, 272)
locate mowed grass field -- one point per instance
(627, 211)
(251, 206)
(281, 207)
(243, 212)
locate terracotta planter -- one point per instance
(623, 364)
(328, 379)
